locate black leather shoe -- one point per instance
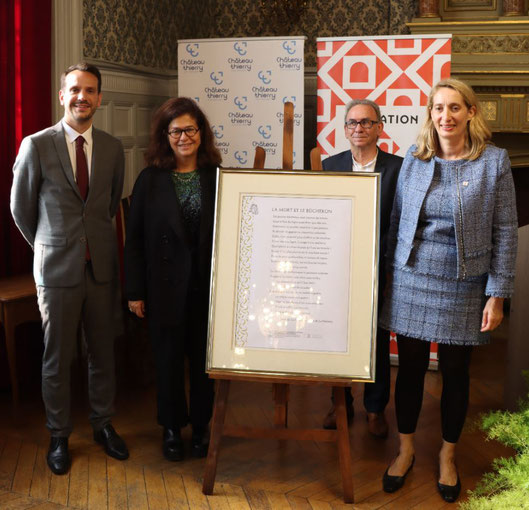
(450, 492)
(58, 457)
(114, 445)
(377, 425)
(392, 483)
(199, 442)
(172, 446)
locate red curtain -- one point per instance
(25, 99)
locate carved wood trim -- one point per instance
(429, 8)
(501, 43)
(470, 5)
(513, 7)
(490, 110)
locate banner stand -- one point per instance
(241, 84)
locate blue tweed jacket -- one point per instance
(485, 219)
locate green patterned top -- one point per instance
(187, 187)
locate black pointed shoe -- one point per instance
(392, 483)
(449, 493)
(112, 442)
(199, 442)
(172, 445)
(58, 457)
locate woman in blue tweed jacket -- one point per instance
(451, 250)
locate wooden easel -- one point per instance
(281, 385)
(280, 430)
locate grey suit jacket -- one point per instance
(52, 216)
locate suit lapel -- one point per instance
(345, 162)
(382, 160)
(207, 190)
(380, 165)
(97, 161)
(348, 161)
(59, 141)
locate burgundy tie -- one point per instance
(82, 175)
(82, 167)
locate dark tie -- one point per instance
(82, 175)
(82, 167)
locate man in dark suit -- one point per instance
(363, 126)
(67, 186)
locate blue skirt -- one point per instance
(435, 309)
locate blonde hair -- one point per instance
(478, 132)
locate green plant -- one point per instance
(507, 486)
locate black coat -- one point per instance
(388, 165)
(160, 258)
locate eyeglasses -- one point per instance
(365, 123)
(176, 133)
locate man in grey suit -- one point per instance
(67, 186)
(363, 125)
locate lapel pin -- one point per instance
(465, 183)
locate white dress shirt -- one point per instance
(71, 135)
(368, 167)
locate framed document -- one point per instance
(294, 274)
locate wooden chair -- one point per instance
(288, 142)
(315, 159)
(259, 159)
(18, 304)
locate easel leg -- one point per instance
(344, 448)
(281, 393)
(219, 415)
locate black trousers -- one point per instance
(376, 394)
(454, 363)
(171, 345)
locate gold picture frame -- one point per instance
(294, 280)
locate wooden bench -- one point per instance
(18, 304)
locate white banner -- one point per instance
(396, 72)
(241, 85)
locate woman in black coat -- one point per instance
(167, 265)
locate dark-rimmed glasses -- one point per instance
(365, 123)
(176, 133)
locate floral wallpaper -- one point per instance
(320, 18)
(139, 32)
(145, 32)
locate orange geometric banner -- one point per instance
(397, 72)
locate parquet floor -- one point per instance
(252, 474)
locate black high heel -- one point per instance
(449, 493)
(392, 483)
